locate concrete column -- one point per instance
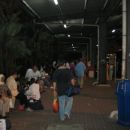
(88, 50)
(102, 52)
(128, 40)
(94, 52)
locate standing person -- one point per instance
(67, 65)
(80, 69)
(62, 78)
(12, 85)
(72, 67)
(4, 97)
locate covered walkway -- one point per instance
(90, 112)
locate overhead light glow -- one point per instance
(120, 49)
(56, 2)
(113, 31)
(97, 45)
(68, 35)
(65, 26)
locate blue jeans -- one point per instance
(65, 106)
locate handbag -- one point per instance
(73, 90)
(2, 124)
(21, 107)
(5, 124)
(35, 104)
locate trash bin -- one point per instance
(123, 98)
(90, 72)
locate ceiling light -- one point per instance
(68, 35)
(119, 49)
(65, 26)
(113, 31)
(74, 49)
(56, 2)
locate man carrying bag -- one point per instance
(62, 78)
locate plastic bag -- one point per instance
(55, 106)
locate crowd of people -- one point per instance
(28, 93)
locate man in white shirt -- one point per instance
(33, 73)
(34, 91)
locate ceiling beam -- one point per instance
(85, 4)
(49, 28)
(63, 17)
(105, 4)
(30, 9)
(111, 6)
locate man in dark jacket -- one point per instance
(62, 78)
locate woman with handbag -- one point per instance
(62, 78)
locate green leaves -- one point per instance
(21, 42)
(13, 45)
(13, 29)
(17, 48)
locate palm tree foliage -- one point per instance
(17, 48)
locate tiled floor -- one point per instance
(91, 110)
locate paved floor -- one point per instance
(65, 127)
(91, 110)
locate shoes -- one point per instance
(29, 109)
(62, 120)
(67, 116)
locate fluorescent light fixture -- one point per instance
(56, 2)
(65, 26)
(113, 31)
(30, 8)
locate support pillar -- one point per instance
(94, 52)
(102, 52)
(128, 39)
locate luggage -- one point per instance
(35, 104)
(73, 90)
(5, 124)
